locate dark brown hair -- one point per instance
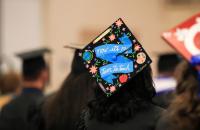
(63, 109)
(124, 104)
(184, 112)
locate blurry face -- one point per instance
(45, 77)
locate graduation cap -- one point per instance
(167, 62)
(185, 38)
(114, 57)
(33, 62)
(76, 46)
(77, 66)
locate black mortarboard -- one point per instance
(167, 62)
(33, 62)
(77, 66)
(114, 57)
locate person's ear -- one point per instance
(45, 75)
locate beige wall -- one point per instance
(67, 21)
(20, 29)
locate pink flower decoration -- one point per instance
(118, 23)
(112, 37)
(93, 69)
(80, 54)
(135, 66)
(137, 47)
(87, 66)
(112, 88)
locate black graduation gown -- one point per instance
(165, 124)
(163, 99)
(143, 120)
(15, 115)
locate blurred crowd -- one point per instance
(169, 101)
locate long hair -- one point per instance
(124, 104)
(184, 112)
(63, 109)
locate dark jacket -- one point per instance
(163, 99)
(143, 120)
(165, 124)
(15, 115)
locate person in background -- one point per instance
(62, 110)
(15, 115)
(10, 86)
(184, 111)
(165, 83)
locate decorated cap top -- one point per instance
(114, 57)
(185, 37)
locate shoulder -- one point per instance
(145, 119)
(13, 109)
(18, 101)
(164, 123)
(154, 109)
(5, 99)
(18, 105)
(151, 112)
(148, 117)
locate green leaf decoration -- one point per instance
(129, 34)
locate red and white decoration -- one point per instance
(185, 38)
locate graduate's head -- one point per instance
(122, 70)
(185, 106)
(124, 104)
(187, 80)
(167, 63)
(34, 66)
(184, 110)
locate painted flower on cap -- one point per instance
(93, 69)
(181, 34)
(123, 78)
(135, 66)
(87, 55)
(118, 23)
(87, 66)
(112, 88)
(137, 48)
(112, 37)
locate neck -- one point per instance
(33, 84)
